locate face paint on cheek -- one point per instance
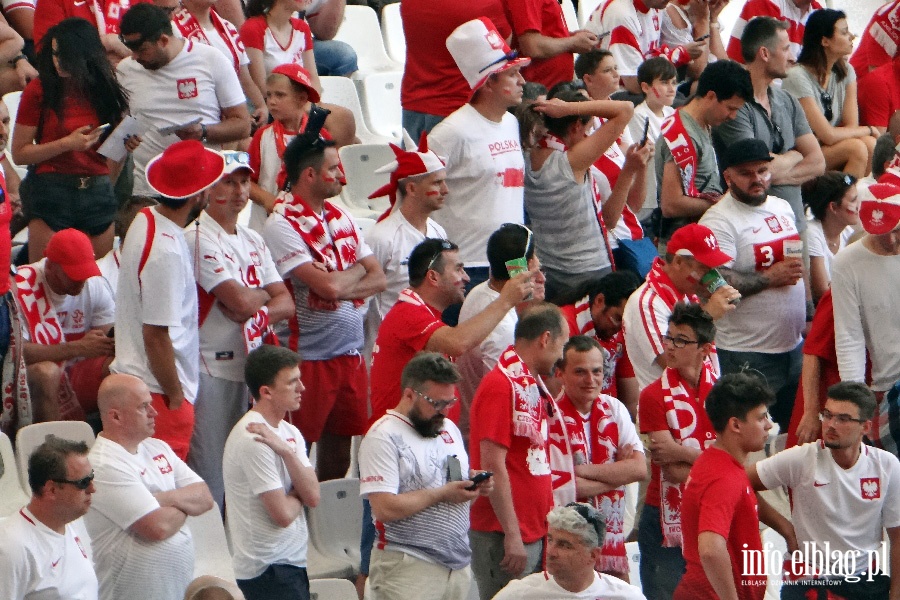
(433, 193)
(694, 278)
(655, 93)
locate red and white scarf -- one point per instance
(528, 392)
(44, 328)
(331, 240)
(684, 153)
(190, 29)
(663, 286)
(17, 411)
(883, 38)
(552, 142)
(683, 425)
(602, 449)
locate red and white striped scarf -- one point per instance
(331, 240)
(191, 29)
(528, 392)
(684, 153)
(603, 446)
(683, 425)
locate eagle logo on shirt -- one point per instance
(187, 88)
(162, 463)
(870, 487)
(774, 225)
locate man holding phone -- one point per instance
(412, 462)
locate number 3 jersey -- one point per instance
(219, 256)
(771, 321)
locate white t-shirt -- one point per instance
(251, 468)
(634, 34)
(37, 563)
(540, 586)
(93, 307)
(256, 34)
(128, 566)
(394, 458)
(198, 83)
(392, 240)
(109, 269)
(847, 509)
(168, 280)
(865, 287)
(477, 362)
(818, 245)
(485, 175)
(771, 321)
(233, 51)
(636, 127)
(242, 257)
(326, 333)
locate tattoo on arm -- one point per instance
(747, 284)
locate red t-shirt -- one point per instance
(879, 94)
(652, 417)
(719, 498)
(491, 419)
(51, 12)
(432, 83)
(546, 18)
(77, 112)
(405, 330)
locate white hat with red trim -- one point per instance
(480, 51)
(879, 209)
(419, 161)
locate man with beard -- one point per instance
(157, 337)
(844, 494)
(415, 473)
(759, 231)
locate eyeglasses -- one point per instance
(827, 101)
(679, 342)
(438, 405)
(445, 246)
(82, 484)
(232, 156)
(842, 418)
(593, 516)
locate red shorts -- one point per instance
(85, 377)
(174, 427)
(335, 399)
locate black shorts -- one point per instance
(277, 582)
(62, 201)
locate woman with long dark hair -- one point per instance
(63, 116)
(825, 84)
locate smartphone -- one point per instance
(479, 478)
(454, 469)
(646, 131)
(701, 38)
(103, 127)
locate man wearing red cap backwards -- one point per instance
(332, 271)
(157, 336)
(692, 251)
(67, 309)
(865, 285)
(480, 143)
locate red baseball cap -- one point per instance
(699, 242)
(72, 250)
(184, 169)
(296, 73)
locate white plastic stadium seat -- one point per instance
(12, 103)
(360, 29)
(342, 91)
(335, 525)
(31, 436)
(392, 31)
(585, 8)
(570, 15)
(360, 162)
(381, 104)
(634, 562)
(211, 545)
(332, 589)
(12, 496)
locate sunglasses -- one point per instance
(135, 45)
(529, 234)
(81, 484)
(233, 156)
(591, 515)
(827, 102)
(445, 246)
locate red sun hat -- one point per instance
(71, 249)
(184, 169)
(298, 74)
(879, 209)
(698, 241)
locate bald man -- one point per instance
(144, 494)
(210, 587)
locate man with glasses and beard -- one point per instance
(845, 494)
(765, 332)
(414, 470)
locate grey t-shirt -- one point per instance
(800, 83)
(779, 133)
(566, 231)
